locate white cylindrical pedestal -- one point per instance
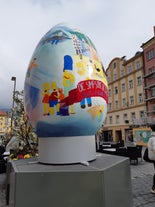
(65, 150)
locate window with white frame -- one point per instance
(153, 91)
(122, 72)
(117, 119)
(123, 87)
(115, 76)
(124, 103)
(108, 79)
(131, 100)
(130, 84)
(116, 90)
(109, 106)
(109, 93)
(133, 116)
(116, 104)
(150, 54)
(129, 67)
(114, 65)
(141, 114)
(140, 98)
(105, 121)
(152, 69)
(153, 107)
(139, 80)
(137, 64)
(110, 119)
(125, 116)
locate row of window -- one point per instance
(125, 102)
(122, 71)
(137, 65)
(3, 123)
(116, 119)
(123, 86)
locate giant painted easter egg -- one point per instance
(65, 87)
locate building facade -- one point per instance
(4, 123)
(126, 104)
(149, 78)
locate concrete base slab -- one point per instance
(105, 182)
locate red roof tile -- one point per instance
(3, 113)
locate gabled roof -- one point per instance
(3, 113)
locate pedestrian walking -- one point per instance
(151, 155)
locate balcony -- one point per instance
(144, 121)
(150, 75)
(150, 85)
(150, 98)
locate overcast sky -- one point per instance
(116, 27)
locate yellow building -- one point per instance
(126, 104)
(4, 119)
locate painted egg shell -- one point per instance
(65, 90)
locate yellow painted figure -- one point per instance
(45, 93)
(68, 84)
(54, 99)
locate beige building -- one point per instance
(126, 104)
(4, 122)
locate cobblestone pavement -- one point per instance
(141, 179)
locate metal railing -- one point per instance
(144, 121)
